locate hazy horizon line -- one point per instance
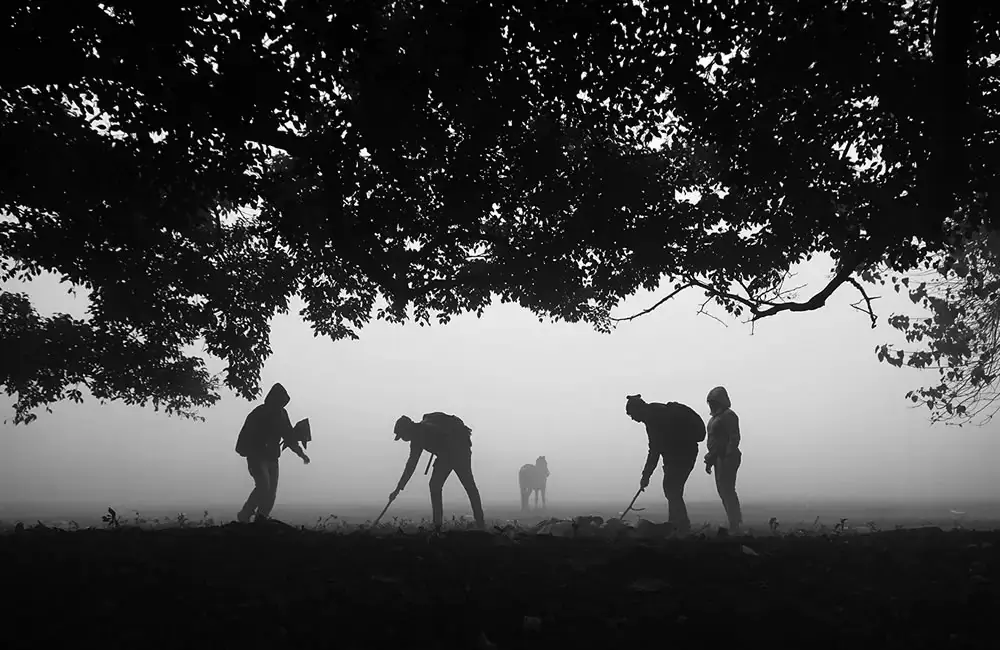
(506, 503)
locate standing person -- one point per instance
(674, 432)
(265, 432)
(447, 437)
(724, 452)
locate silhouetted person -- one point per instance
(266, 430)
(447, 437)
(724, 452)
(674, 432)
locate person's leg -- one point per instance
(725, 482)
(675, 476)
(260, 488)
(464, 471)
(719, 469)
(267, 501)
(730, 466)
(442, 469)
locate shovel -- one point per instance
(632, 504)
(379, 518)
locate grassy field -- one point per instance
(885, 515)
(275, 586)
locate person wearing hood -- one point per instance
(266, 431)
(724, 453)
(446, 437)
(674, 431)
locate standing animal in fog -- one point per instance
(532, 478)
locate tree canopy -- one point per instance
(960, 333)
(194, 165)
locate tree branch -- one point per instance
(814, 303)
(701, 310)
(754, 304)
(649, 309)
(868, 301)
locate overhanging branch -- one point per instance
(650, 309)
(760, 308)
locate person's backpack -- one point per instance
(248, 437)
(243, 440)
(447, 422)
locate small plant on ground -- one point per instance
(325, 523)
(111, 519)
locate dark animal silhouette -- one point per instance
(532, 478)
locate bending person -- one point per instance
(265, 432)
(674, 432)
(446, 437)
(724, 453)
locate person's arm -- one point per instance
(288, 440)
(733, 440)
(651, 458)
(411, 465)
(295, 447)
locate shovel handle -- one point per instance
(632, 503)
(379, 518)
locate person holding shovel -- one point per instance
(265, 433)
(724, 453)
(446, 437)
(674, 431)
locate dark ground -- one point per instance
(271, 586)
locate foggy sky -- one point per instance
(820, 417)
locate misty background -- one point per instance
(821, 418)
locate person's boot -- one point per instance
(243, 517)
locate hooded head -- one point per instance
(404, 428)
(635, 407)
(718, 400)
(277, 397)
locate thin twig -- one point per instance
(868, 301)
(701, 310)
(649, 309)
